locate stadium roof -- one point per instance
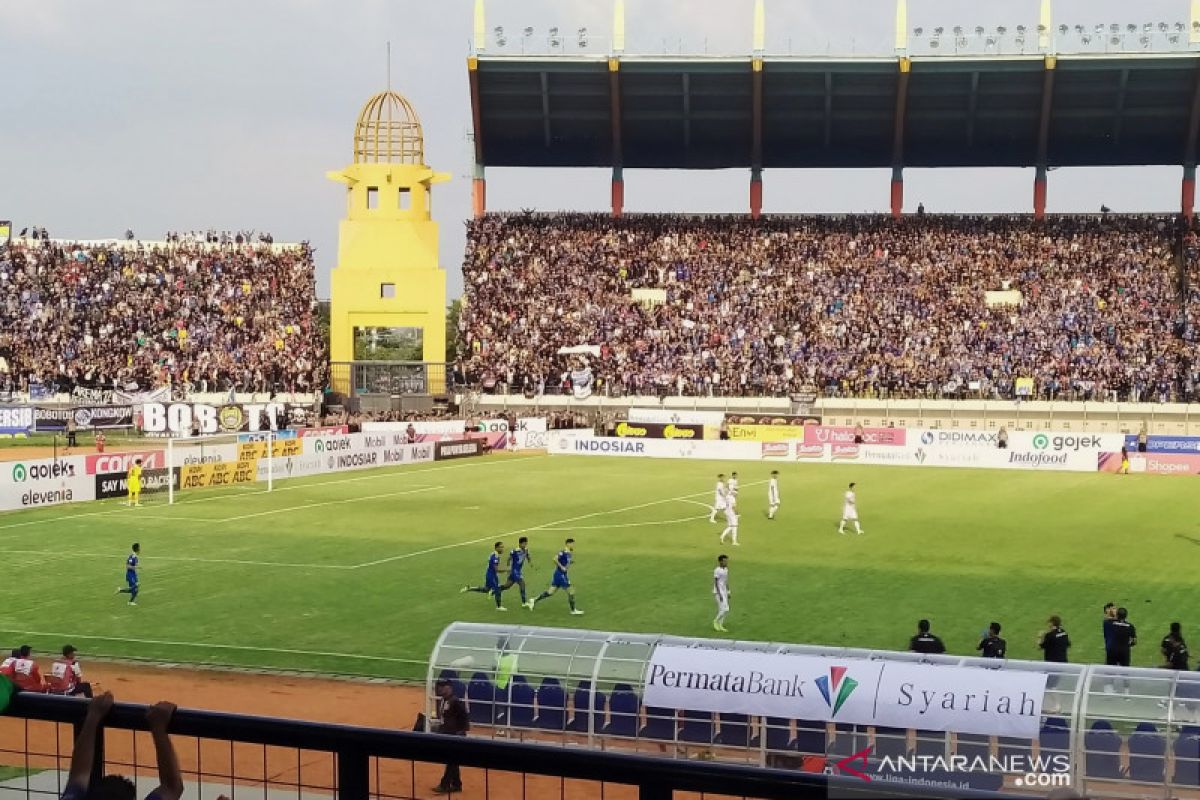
(709, 113)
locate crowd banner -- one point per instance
(15, 420)
(676, 416)
(183, 419)
(1151, 463)
(658, 430)
(1165, 444)
(56, 418)
(849, 691)
(33, 483)
(830, 434)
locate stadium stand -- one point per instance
(214, 317)
(856, 306)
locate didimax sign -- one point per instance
(847, 690)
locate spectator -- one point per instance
(992, 646)
(25, 675)
(115, 787)
(1174, 648)
(1002, 438)
(6, 667)
(453, 720)
(182, 315)
(924, 641)
(1055, 642)
(66, 676)
(855, 306)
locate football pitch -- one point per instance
(357, 573)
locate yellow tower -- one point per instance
(387, 283)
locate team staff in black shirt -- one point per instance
(924, 641)
(992, 646)
(1055, 641)
(1124, 637)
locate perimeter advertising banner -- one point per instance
(44, 482)
(1165, 444)
(991, 702)
(223, 473)
(658, 430)
(15, 420)
(768, 427)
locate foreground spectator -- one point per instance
(66, 676)
(116, 787)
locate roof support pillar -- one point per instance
(898, 138)
(618, 153)
(756, 143)
(618, 191)
(1188, 193)
(1039, 193)
(479, 192)
(1043, 141)
(897, 192)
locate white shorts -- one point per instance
(722, 603)
(850, 513)
(731, 517)
(719, 504)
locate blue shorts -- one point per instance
(131, 579)
(560, 580)
(516, 577)
(491, 581)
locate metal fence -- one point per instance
(241, 756)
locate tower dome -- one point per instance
(388, 132)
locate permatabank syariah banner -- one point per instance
(34, 483)
(991, 702)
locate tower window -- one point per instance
(387, 291)
(372, 197)
(405, 199)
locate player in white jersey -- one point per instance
(731, 523)
(721, 592)
(720, 498)
(773, 494)
(850, 511)
(733, 489)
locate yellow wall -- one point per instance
(382, 245)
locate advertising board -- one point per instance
(464, 448)
(831, 434)
(15, 420)
(658, 430)
(676, 416)
(33, 483)
(56, 418)
(1165, 444)
(111, 485)
(224, 473)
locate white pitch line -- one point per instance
(628, 524)
(548, 525)
(290, 509)
(212, 646)
(73, 554)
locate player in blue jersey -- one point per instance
(517, 560)
(561, 579)
(131, 575)
(491, 578)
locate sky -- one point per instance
(157, 115)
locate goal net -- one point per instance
(208, 462)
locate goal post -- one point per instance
(221, 460)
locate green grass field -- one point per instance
(358, 573)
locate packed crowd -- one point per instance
(845, 306)
(190, 315)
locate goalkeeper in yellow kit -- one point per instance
(134, 482)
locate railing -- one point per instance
(388, 377)
(365, 764)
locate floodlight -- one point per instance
(528, 32)
(1179, 26)
(1020, 30)
(1086, 38)
(1001, 30)
(979, 30)
(1099, 29)
(1114, 28)
(583, 37)
(1131, 28)
(938, 31)
(1116, 40)
(1173, 38)
(958, 30)
(1162, 27)
(918, 31)
(500, 38)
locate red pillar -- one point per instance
(479, 197)
(897, 192)
(1039, 193)
(756, 189)
(618, 192)
(1188, 204)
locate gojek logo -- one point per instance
(836, 683)
(18, 473)
(1041, 441)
